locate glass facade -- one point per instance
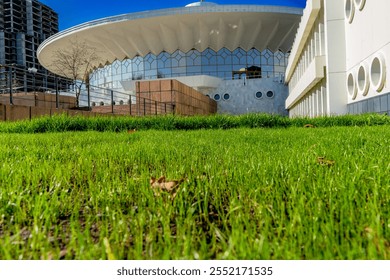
(220, 64)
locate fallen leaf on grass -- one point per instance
(368, 230)
(51, 256)
(325, 162)
(309, 126)
(63, 253)
(160, 184)
(130, 131)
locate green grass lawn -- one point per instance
(282, 193)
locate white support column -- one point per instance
(317, 47)
(312, 49)
(321, 34)
(335, 57)
(324, 101)
(313, 102)
(320, 112)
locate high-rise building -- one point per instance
(24, 24)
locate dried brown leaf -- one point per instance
(309, 126)
(325, 162)
(161, 184)
(63, 253)
(368, 230)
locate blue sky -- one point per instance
(73, 12)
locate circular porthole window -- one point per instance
(259, 95)
(217, 97)
(349, 10)
(360, 4)
(93, 104)
(208, 95)
(351, 86)
(362, 80)
(121, 102)
(377, 73)
(101, 103)
(270, 94)
(226, 96)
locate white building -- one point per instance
(339, 58)
(236, 54)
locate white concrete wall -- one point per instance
(357, 54)
(367, 39)
(243, 98)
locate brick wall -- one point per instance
(18, 112)
(186, 100)
(39, 100)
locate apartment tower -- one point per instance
(24, 24)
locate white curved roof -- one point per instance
(200, 4)
(199, 27)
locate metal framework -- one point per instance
(24, 24)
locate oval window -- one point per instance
(270, 94)
(217, 97)
(226, 96)
(351, 86)
(363, 82)
(377, 73)
(349, 10)
(360, 4)
(259, 94)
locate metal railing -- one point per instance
(106, 100)
(39, 88)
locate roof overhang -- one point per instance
(215, 27)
